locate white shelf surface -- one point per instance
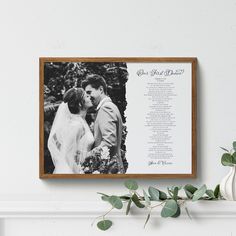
(88, 209)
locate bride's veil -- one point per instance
(56, 137)
(61, 118)
(67, 138)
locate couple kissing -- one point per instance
(71, 142)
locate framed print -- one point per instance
(117, 117)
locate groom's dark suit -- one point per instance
(108, 128)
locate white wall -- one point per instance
(76, 28)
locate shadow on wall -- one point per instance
(200, 139)
(2, 227)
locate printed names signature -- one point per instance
(163, 163)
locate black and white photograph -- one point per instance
(117, 117)
(84, 121)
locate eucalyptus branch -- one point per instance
(170, 205)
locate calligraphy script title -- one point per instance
(155, 72)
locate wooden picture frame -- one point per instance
(143, 85)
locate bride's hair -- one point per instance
(74, 97)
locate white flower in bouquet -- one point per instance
(86, 169)
(105, 153)
(79, 169)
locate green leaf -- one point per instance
(124, 197)
(227, 159)
(234, 145)
(189, 190)
(131, 184)
(115, 202)
(179, 187)
(103, 194)
(217, 191)
(234, 158)
(154, 194)
(224, 149)
(170, 192)
(170, 208)
(148, 217)
(162, 195)
(199, 193)
(210, 193)
(178, 212)
(104, 224)
(175, 193)
(146, 198)
(128, 206)
(136, 201)
(188, 194)
(105, 198)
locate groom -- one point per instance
(108, 123)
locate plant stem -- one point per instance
(182, 203)
(149, 213)
(140, 198)
(108, 212)
(102, 215)
(157, 205)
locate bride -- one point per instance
(70, 138)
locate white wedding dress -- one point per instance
(70, 136)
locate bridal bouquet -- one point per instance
(100, 162)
